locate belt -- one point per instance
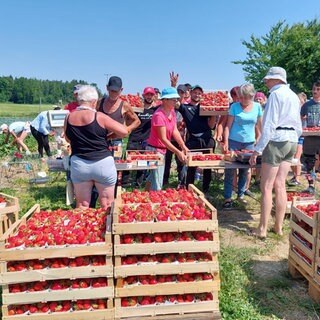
(285, 128)
(150, 145)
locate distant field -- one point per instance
(22, 110)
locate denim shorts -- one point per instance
(276, 152)
(156, 175)
(102, 171)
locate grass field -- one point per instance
(22, 110)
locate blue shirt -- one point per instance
(41, 123)
(243, 126)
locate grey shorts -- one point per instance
(103, 171)
(276, 152)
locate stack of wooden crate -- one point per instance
(57, 282)
(156, 273)
(304, 244)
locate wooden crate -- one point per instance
(89, 271)
(165, 247)
(317, 262)
(8, 214)
(297, 271)
(169, 309)
(191, 187)
(122, 271)
(165, 226)
(203, 163)
(303, 231)
(103, 314)
(145, 158)
(57, 295)
(101, 248)
(169, 288)
(214, 111)
(296, 252)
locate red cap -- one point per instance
(149, 90)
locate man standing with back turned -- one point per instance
(281, 128)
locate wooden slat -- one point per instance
(165, 226)
(168, 288)
(104, 314)
(155, 310)
(53, 274)
(57, 295)
(214, 315)
(56, 252)
(309, 237)
(299, 261)
(168, 247)
(166, 268)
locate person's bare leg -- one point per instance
(82, 192)
(106, 195)
(281, 195)
(20, 141)
(268, 175)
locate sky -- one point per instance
(139, 40)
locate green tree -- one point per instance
(296, 48)
(6, 88)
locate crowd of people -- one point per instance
(171, 124)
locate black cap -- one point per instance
(156, 90)
(188, 85)
(197, 87)
(182, 88)
(114, 83)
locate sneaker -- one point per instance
(227, 205)
(310, 190)
(249, 193)
(293, 182)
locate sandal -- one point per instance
(227, 205)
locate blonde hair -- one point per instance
(247, 89)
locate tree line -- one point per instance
(34, 91)
(295, 48)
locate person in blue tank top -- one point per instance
(242, 131)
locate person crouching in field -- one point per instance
(91, 161)
(19, 130)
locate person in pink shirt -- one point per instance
(163, 128)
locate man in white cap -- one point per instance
(19, 130)
(281, 128)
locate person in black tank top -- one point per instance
(91, 161)
(118, 110)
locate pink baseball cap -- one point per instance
(149, 90)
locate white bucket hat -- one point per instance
(276, 73)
